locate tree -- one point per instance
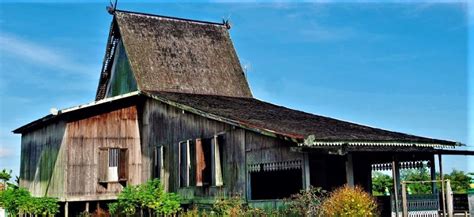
(380, 182)
(5, 175)
(460, 181)
(419, 174)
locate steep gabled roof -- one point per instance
(264, 117)
(178, 55)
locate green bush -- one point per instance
(348, 201)
(146, 197)
(19, 201)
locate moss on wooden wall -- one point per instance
(122, 80)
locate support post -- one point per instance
(404, 199)
(306, 173)
(66, 209)
(87, 207)
(349, 170)
(449, 199)
(433, 174)
(396, 182)
(443, 196)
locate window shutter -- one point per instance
(216, 163)
(123, 165)
(158, 162)
(200, 163)
(103, 164)
(184, 164)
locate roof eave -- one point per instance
(61, 112)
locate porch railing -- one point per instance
(419, 205)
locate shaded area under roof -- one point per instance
(179, 55)
(256, 114)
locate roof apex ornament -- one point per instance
(226, 23)
(111, 8)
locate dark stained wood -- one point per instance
(103, 164)
(123, 165)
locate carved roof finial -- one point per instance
(111, 8)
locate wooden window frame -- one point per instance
(185, 180)
(216, 156)
(103, 165)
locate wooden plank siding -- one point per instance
(265, 149)
(62, 159)
(71, 149)
(115, 129)
(42, 168)
(168, 126)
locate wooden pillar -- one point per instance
(66, 209)
(87, 207)
(404, 199)
(349, 170)
(396, 182)
(306, 172)
(433, 174)
(443, 196)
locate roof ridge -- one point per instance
(172, 18)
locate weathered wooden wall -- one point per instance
(43, 160)
(265, 149)
(166, 125)
(61, 159)
(115, 129)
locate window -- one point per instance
(184, 163)
(203, 162)
(112, 172)
(158, 166)
(113, 164)
(208, 157)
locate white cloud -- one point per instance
(5, 152)
(32, 52)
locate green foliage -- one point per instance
(460, 181)
(150, 195)
(307, 202)
(5, 175)
(381, 182)
(421, 174)
(348, 201)
(19, 201)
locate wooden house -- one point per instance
(173, 103)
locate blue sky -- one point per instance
(398, 66)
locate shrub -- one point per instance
(307, 202)
(148, 196)
(232, 206)
(19, 201)
(348, 201)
